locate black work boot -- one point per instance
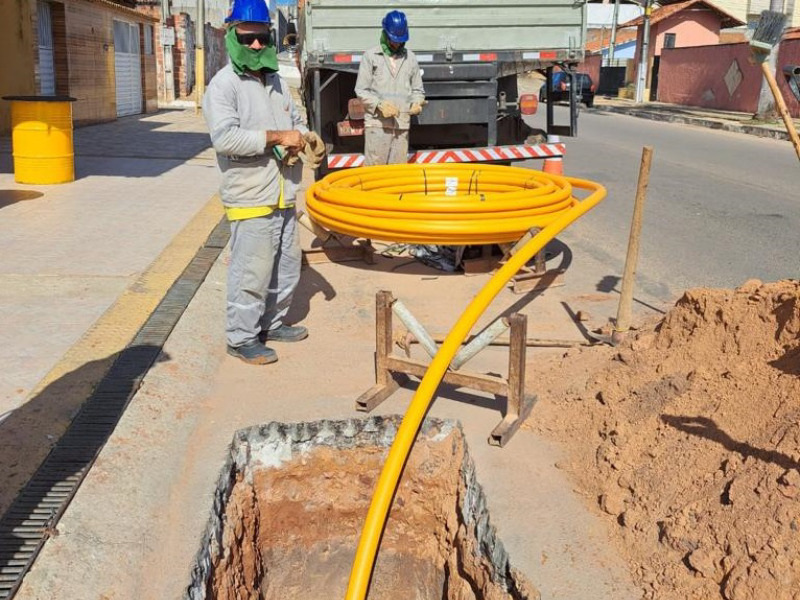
(284, 333)
(254, 353)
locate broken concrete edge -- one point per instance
(272, 444)
(756, 130)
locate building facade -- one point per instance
(100, 52)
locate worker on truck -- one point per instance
(257, 134)
(389, 85)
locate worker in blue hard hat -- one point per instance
(258, 135)
(390, 86)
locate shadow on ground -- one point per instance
(49, 443)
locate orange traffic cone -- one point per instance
(553, 165)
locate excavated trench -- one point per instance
(292, 498)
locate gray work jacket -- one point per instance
(239, 110)
(375, 83)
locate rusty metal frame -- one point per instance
(334, 247)
(538, 278)
(391, 371)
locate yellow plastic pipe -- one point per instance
(380, 213)
(438, 204)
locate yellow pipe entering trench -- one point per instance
(438, 206)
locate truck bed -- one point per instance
(520, 29)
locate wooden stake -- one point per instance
(623, 323)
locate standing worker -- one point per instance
(390, 86)
(258, 135)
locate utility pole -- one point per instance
(167, 40)
(613, 33)
(644, 57)
(766, 101)
(200, 56)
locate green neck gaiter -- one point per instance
(243, 57)
(387, 49)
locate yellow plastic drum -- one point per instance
(41, 139)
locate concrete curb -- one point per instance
(756, 130)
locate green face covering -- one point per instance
(387, 49)
(243, 57)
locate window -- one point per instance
(669, 40)
(148, 39)
(47, 69)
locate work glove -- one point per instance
(415, 109)
(290, 160)
(313, 150)
(388, 110)
(286, 156)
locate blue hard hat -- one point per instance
(251, 11)
(396, 27)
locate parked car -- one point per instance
(561, 84)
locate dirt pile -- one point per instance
(688, 436)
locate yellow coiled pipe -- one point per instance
(441, 204)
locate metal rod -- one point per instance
(548, 92)
(530, 342)
(328, 81)
(414, 326)
(479, 342)
(623, 322)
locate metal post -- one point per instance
(492, 116)
(766, 101)
(644, 57)
(200, 56)
(317, 108)
(519, 405)
(548, 91)
(573, 102)
(169, 81)
(385, 383)
(613, 33)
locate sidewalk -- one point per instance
(83, 264)
(736, 122)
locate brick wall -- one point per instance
(696, 76)
(183, 55)
(591, 64)
(90, 35)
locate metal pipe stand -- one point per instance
(391, 371)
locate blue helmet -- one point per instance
(396, 27)
(251, 11)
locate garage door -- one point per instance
(128, 68)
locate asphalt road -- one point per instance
(722, 207)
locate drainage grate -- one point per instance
(29, 521)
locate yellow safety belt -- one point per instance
(240, 213)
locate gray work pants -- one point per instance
(383, 146)
(263, 274)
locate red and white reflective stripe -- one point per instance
(459, 155)
(345, 161)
